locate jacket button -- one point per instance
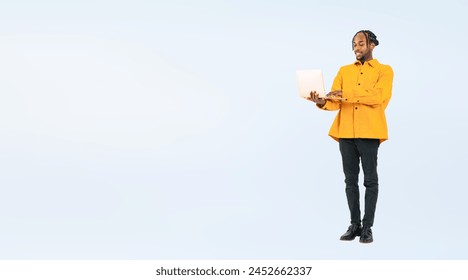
(356, 108)
(359, 84)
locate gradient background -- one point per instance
(173, 130)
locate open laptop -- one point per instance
(312, 80)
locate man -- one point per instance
(361, 92)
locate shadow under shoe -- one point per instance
(353, 231)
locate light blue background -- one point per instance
(173, 130)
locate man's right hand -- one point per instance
(314, 97)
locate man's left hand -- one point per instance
(335, 93)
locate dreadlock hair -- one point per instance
(370, 37)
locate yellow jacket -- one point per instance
(367, 89)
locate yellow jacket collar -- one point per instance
(373, 62)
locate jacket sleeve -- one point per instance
(378, 95)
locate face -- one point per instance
(361, 50)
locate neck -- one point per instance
(364, 59)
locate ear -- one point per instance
(372, 46)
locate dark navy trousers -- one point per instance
(355, 151)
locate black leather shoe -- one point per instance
(366, 235)
(353, 231)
